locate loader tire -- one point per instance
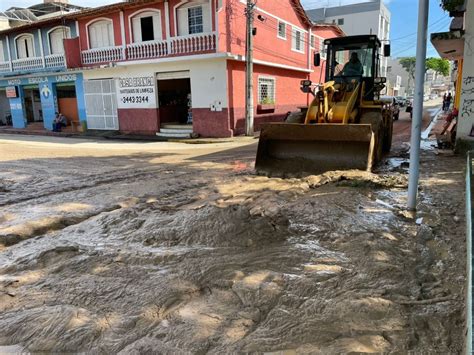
(387, 139)
(296, 117)
(375, 119)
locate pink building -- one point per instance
(149, 64)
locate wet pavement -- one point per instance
(137, 248)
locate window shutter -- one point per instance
(93, 40)
(56, 41)
(157, 27)
(29, 45)
(206, 18)
(101, 35)
(137, 30)
(110, 33)
(183, 29)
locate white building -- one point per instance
(371, 17)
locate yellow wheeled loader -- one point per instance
(346, 126)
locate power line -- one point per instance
(415, 33)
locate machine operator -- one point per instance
(353, 67)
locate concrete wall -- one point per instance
(359, 24)
(466, 107)
(267, 45)
(288, 96)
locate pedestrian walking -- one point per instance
(448, 102)
(444, 101)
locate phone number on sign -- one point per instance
(134, 99)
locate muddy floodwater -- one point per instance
(139, 248)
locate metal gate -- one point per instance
(101, 104)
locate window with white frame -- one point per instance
(297, 40)
(146, 26)
(24, 46)
(194, 17)
(313, 41)
(2, 56)
(281, 30)
(266, 91)
(322, 48)
(56, 38)
(195, 20)
(340, 21)
(101, 34)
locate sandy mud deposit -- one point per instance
(172, 259)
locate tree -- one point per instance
(451, 5)
(439, 65)
(408, 63)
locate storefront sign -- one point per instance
(38, 80)
(67, 77)
(136, 92)
(11, 92)
(14, 82)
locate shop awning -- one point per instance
(450, 45)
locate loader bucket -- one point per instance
(298, 149)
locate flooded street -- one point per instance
(128, 248)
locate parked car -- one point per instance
(402, 101)
(433, 96)
(394, 105)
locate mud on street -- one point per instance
(174, 248)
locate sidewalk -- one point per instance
(37, 129)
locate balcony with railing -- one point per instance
(102, 55)
(4, 67)
(54, 61)
(176, 46)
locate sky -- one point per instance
(403, 22)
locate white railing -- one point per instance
(175, 46)
(27, 63)
(193, 43)
(55, 61)
(145, 50)
(102, 55)
(4, 67)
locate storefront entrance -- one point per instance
(33, 110)
(101, 104)
(67, 102)
(174, 97)
(5, 113)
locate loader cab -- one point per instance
(354, 59)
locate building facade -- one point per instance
(358, 19)
(138, 66)
(456, 45)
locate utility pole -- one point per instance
(249, 13)
(423, 11)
